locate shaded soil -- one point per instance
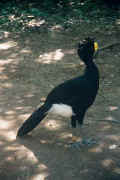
(31, 64)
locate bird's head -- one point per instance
(87, 50)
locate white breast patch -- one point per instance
(62, 110)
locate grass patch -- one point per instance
(30, 16)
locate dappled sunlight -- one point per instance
(7, 118)
(22, 110)
(21, 153)
(113, 146)
(2, 68)
(13, 55)
(1, 143)
(7, 45)
(110, 164)
(42, 141)
(69, 51)
(24, 153)
(109, 118)
(56, 27)
(23, 116)
(106, 127)
(26, 51)
(40, 176)
(116, 170)
(98, 149)
(9, 159)
(8, 135)
(6, 85)
(3, 76)
(107, 163)
(14, 147)
(8, 114)
(36, 23)
(29, 95)
(28, 67)
(52, 124)
(5, 34)
(8, 125)
(19, 108)
(66, 135)
(5, 124)
(51, 57)
(3, 62)
(113, 108)
(42, 166)
(113, 137)
(42, 172)
(118, 22)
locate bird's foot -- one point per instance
(90, 141)
(76, 145)
(84, 142)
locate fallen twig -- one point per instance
(109, 46)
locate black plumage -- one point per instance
(77, 94)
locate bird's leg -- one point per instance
(77, 142)
(73, 124)
(73, 121)
(76, 139)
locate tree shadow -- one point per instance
(30, 66)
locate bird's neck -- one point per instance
(90, 65)
(92, 71)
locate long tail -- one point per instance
(33, 120)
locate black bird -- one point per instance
(73, 97)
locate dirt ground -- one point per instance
(31, 64)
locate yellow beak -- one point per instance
(95, 46)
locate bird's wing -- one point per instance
(70, 92)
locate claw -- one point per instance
(89, 141)
(82, 143)
(76, 145)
